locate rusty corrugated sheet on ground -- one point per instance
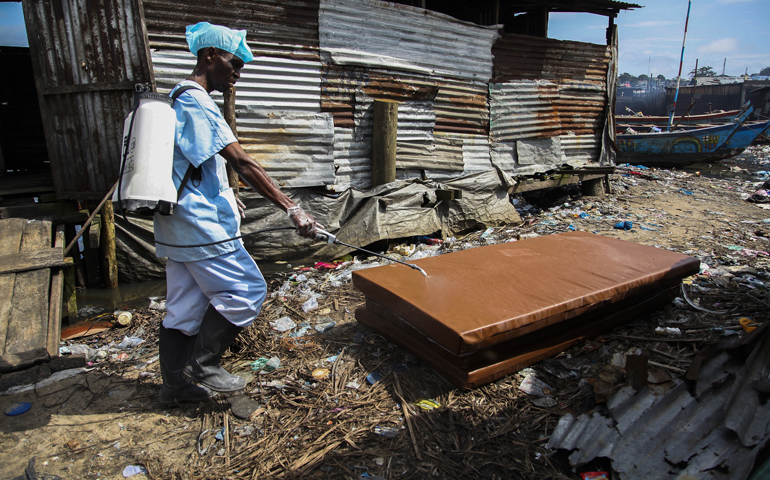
(384, 35)
(87, 55)
(460, 106)
(712, 429)
(283, 28)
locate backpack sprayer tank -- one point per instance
(146, 183)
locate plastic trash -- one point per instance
(353, 385)
(132, 470)
(668, 331)
(389, 432)
(304, 327)
(272, 365)
(320, 373)
(627, 225)
(374, 377)
(18, 408)
(685, 192)
(283, 324)
(595, 476)
(310, 304)
(129, 342)
(487, 232)
(427, 404)
(325, 326)
(258, 364)
(544, 402)
(157, 303)
(745, 324)
(532, 385)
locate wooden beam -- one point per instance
(385, 123)
(33, 260)
(55, 303)
(108, 249)
(11, 230)
(87, 88)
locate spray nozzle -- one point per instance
(321, 234)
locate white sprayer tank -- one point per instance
(147, 184)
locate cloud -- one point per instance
(651, 23)
(723, 45)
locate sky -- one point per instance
(736, 30)
(649, 38)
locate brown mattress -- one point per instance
(485, 312)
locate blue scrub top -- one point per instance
(206, 211)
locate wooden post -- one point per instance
(107, 245)
(229, 114)
(385, 124)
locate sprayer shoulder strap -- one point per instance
(190, 169)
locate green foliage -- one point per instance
(704, 72)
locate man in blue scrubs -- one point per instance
(215, 291)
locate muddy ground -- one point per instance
(319, 417)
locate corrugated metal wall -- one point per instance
(86, 55)
(279, 28)
(390, 36)
(303, 106)
(548, 88)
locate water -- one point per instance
(125, 297)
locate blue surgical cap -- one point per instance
(204, 35)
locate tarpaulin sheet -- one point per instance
(355, 216)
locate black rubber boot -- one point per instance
(175, 350)
(214, 338)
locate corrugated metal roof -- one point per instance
(416, 119)
(268, 83)
(715, 432)
(295, 148)
(398, 37)
(283, 28)
(87, 55)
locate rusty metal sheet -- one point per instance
(268, 83)
(87, 56)
(295, 148)
(399, 37)
(277, 28)
(520, 57)
(352, 161)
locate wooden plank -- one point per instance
(28, 323)
(55, 304)
(17, 184)
(11, 230)
(13, 361)
(34, 260)
(60, 212)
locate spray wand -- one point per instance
(330, 239)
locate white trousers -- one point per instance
(232, 283)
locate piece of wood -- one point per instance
(34, 260)
(70, 301)
(108, 249)
(593, 187)
(28, 322)
(55, 302)
(18, 184)
(636, 371)
(385, 124)
(11, 230)
(95, 231)
(92, 261)
(228, 111)
(13, 361)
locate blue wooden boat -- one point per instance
(685, 147)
